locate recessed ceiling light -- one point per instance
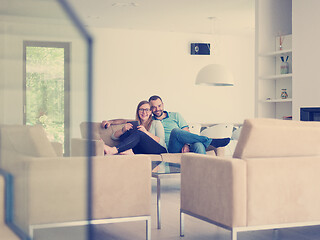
(131, 4)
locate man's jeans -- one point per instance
(179, 137)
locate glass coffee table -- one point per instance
(163, 170)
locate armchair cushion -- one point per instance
(28, 140)
(58, 148)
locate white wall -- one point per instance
(306, 52)
(130, 66)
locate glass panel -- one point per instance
(44, 96)
(159, 168)
(44, 103)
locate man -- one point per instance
(177, 135)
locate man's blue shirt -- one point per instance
(171, 121)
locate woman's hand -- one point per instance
(122, 130)
(142, 129)
(127, 127)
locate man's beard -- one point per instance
(157, 116)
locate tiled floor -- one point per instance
(194, 228)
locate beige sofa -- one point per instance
(79, 145)
(53, 191)
(271, 182)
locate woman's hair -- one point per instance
(149, 121)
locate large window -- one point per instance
(46, 84)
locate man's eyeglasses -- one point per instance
(144, 109)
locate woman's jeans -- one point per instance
(179, 137)
(140, 143)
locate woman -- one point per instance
(147, 138)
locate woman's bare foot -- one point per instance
(127, 152)
(156, 169)
(110, 150)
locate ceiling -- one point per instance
(190, 16)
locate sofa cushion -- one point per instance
(28, 140)
(278, 138)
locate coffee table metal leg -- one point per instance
(158, 203)
(181, 224)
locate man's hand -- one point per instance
(105, 124)
(185, 148)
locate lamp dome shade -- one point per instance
(215, 75)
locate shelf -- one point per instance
(277, 100)
(279, 76)
(271, 61)
(276, 53)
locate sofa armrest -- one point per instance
(214, 188)
(80, 147)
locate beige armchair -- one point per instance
(271, 182)
(52, 191)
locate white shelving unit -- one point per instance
(270, 80)
(276, 53)
(277, 100)
(279, 76)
